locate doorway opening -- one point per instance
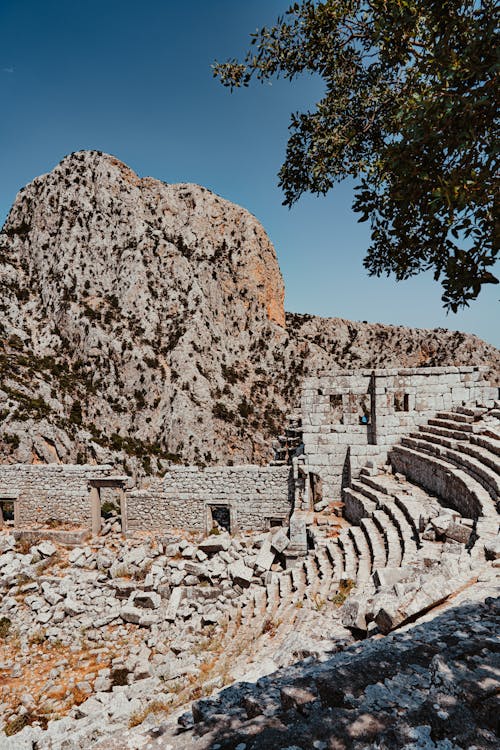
(108, 504)
(8, 511)
(219, 518)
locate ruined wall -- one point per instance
(253, 494)
(50, 491)
(391, 403)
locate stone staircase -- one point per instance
(285, 447)
(297, 612)
(456, 457)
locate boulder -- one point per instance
(297, 698)
(240, 574)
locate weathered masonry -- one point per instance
(348, 418)
(238, 497)
(42, 493)
(352, 416)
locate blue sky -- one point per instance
(133, 79)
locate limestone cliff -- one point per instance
(143, 323)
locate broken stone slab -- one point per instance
(73, 608)
(458, 533)
(210, 617)
(261, 704)
(7, 543)
(265, 557)
(215, 543)
(195, 569)
(393, 611)
(123, 589)
(240, 574)
(90, 707)
(354, 613)
(173, 604)
(387, 577)
(441, 523)
(146, 600)
(46, 549)
(280, 541)
(132, 614)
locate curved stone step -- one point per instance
(405, 530)
(392, 542)
(457, 488)
(375, 542)
(363, 553)
(299, 579)
(481, 454)
(365, 486)
(452, 416)
(248, 611)
(312, 575)
(356, 504)
(444, 432)
(430, 437)
(451, 425)
(489, 478)
(325, 571)
(481, 472)
(260, 602)
(273, 597)
(417, 513)
(285, 585)
(472, 411)
(337, 559)
(349, 555)
(491, 444)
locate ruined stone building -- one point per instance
(348, 418)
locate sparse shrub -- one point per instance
(119, 676)
(154, 707)
(345, 588)
(17, 725)
(5, 624)
(270, 627)
(220, 411)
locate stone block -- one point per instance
(132, 614)
(173, 605)
(240, 574)
(215, 543)
(146, 600)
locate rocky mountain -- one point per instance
(143, 323)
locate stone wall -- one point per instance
(253, 494)
(50, 491)
(352, 416)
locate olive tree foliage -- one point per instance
(410, 111)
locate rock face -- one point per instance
(143, 323)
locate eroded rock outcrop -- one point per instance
(143, 322)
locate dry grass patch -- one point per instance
(154, 707)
